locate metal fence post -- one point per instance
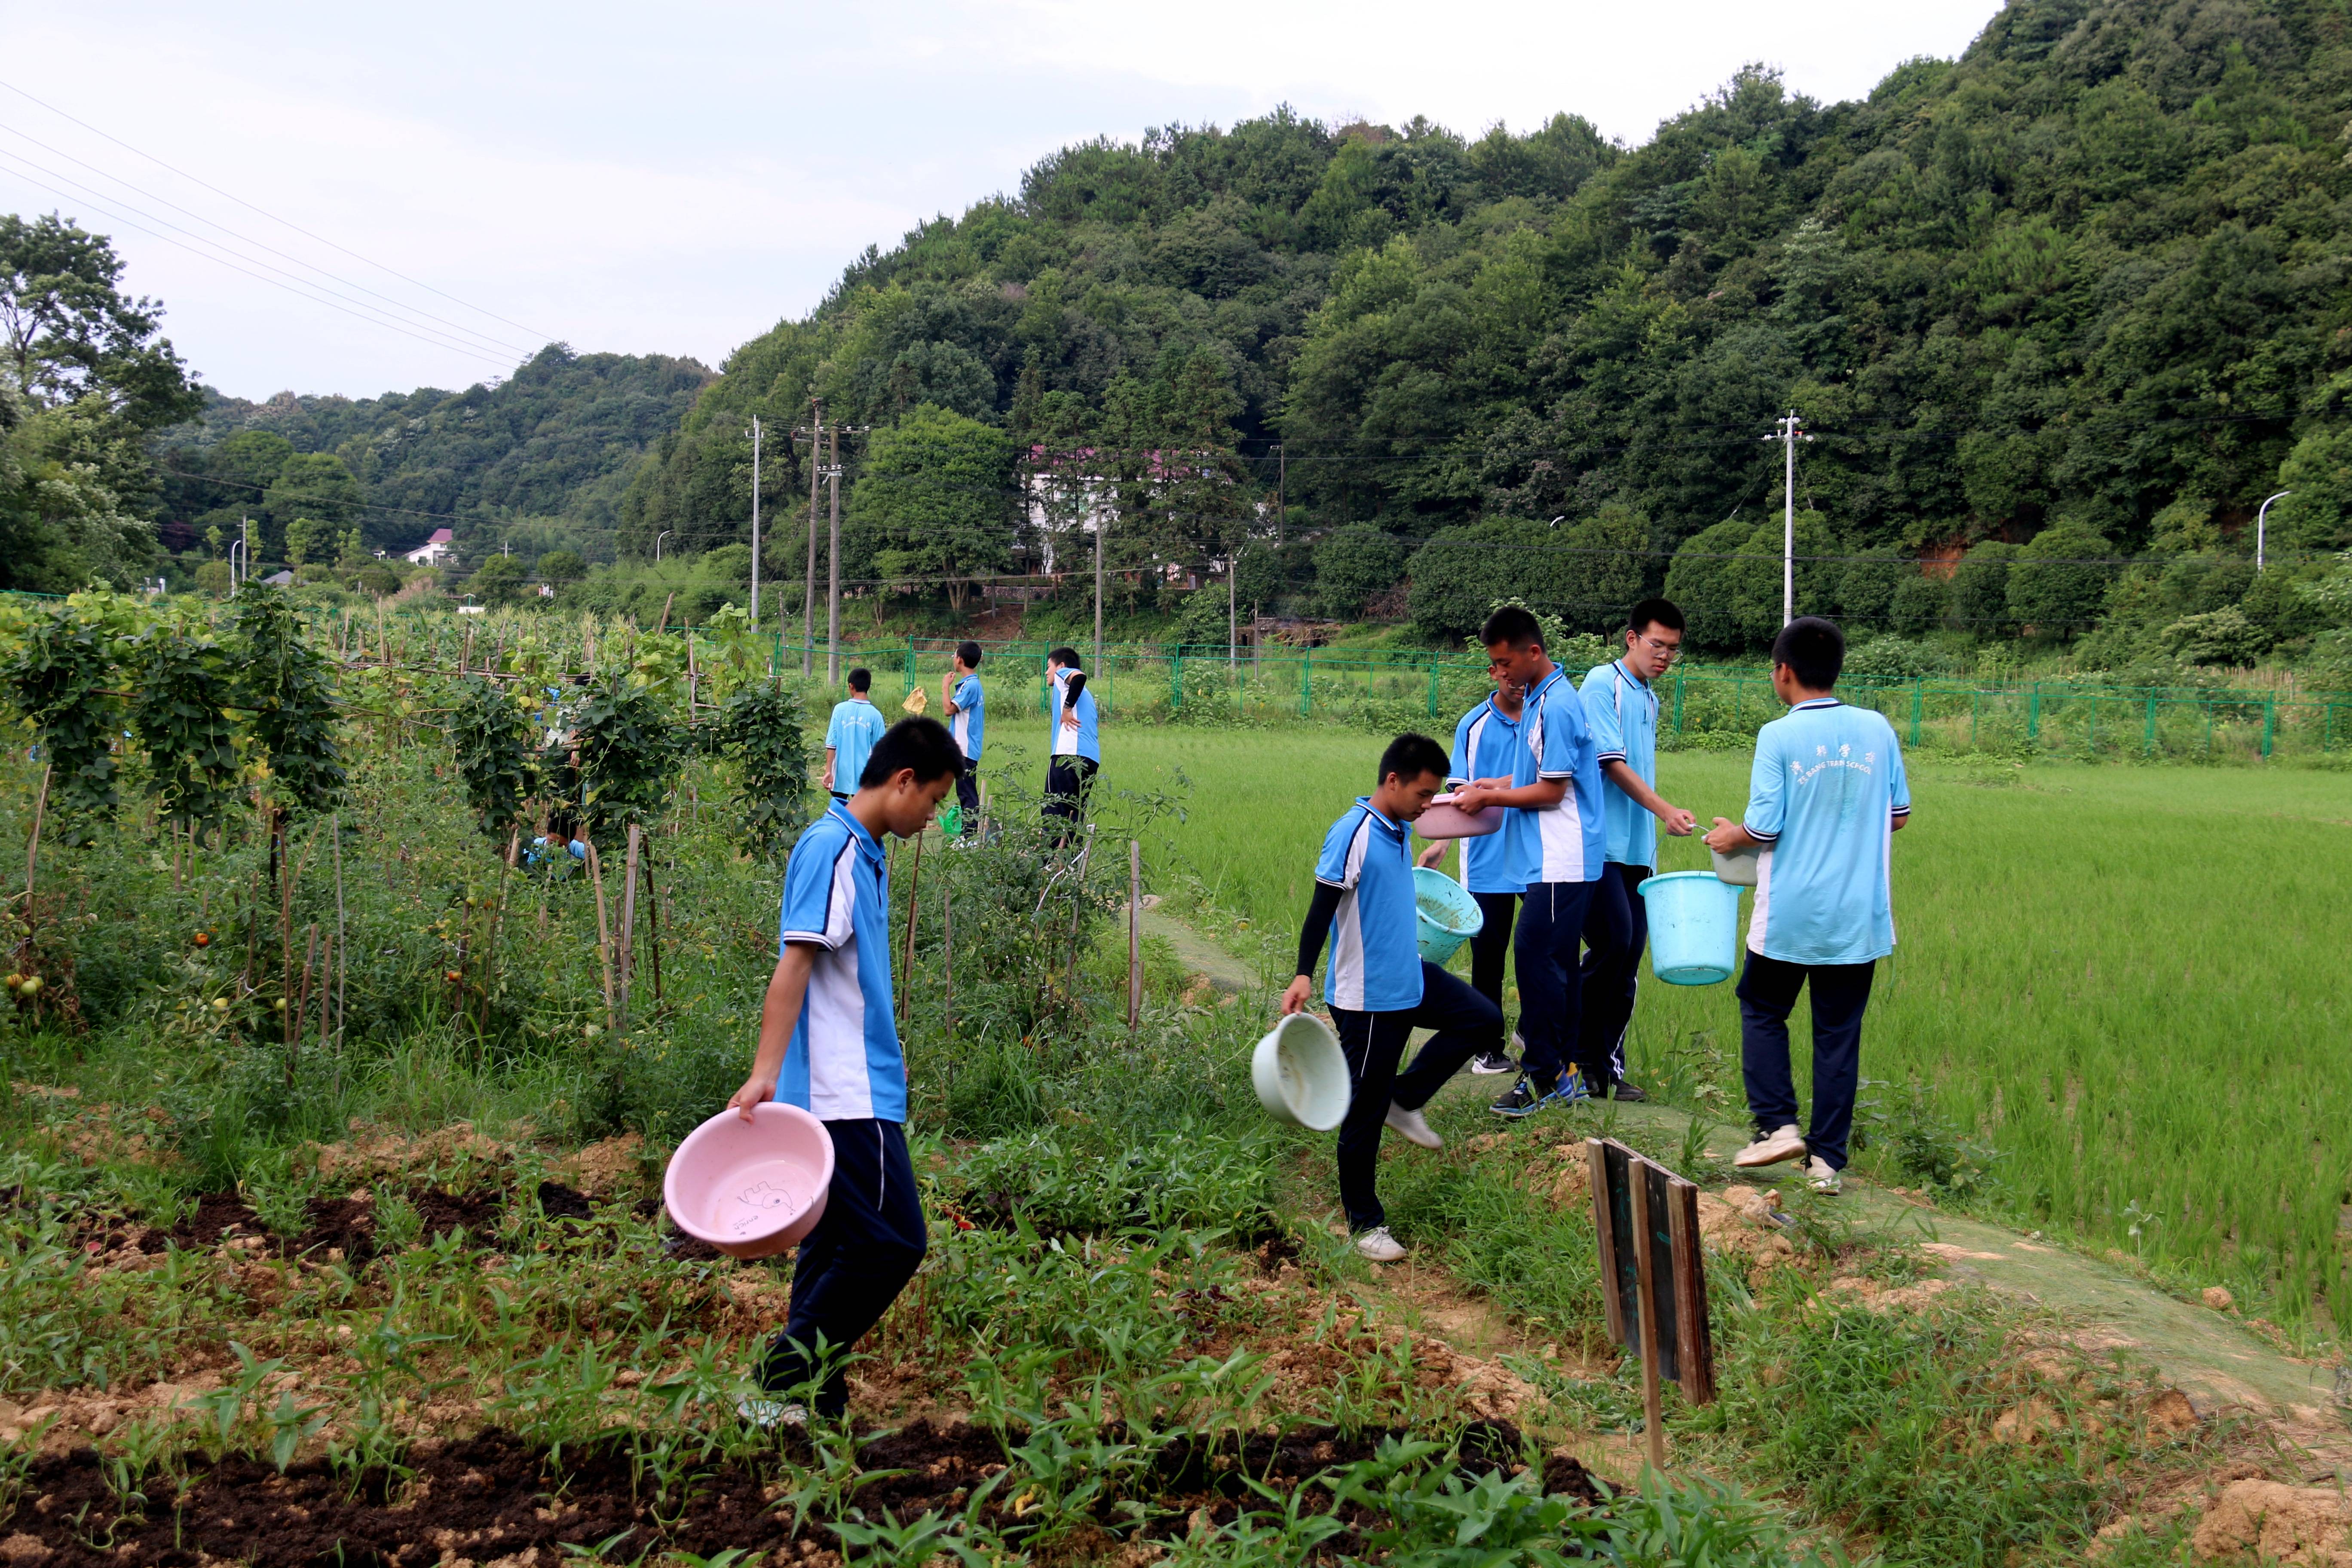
(1306, 682)
(2270, 722)
(2149, 747)
(1678, 702)
(1433, 686)
(2034, 715)
(1176, 677)
(1918, 699)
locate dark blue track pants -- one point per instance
(1767, 993)
(1551, 994)
(1616, 928)
(1466, 1023)
(854, 1264)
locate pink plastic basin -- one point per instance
(750, 1188)
(1444, 819)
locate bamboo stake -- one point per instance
(301, 1008)
(1134, 935)
(662, 624)
(604, 932)
(343, 944)
(692, 679)
(629, 921)
(652, 918)
(498, 920)
(907, 969)
(33, 844)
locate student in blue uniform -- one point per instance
(1557, 851)
(829, 1044)
(1486, 752)
(849, 736)
(1621, 703)
(1825, 798)
(967, 708)
(1379, 988)
(1074, 746)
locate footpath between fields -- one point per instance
(2217, 1363)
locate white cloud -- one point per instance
(677, 179)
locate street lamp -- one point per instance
(665, 533)
(2259, 516)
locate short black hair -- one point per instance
(1409, 756)
(861, 680)
(969, 651)
(1512, 625)
(1654, 613)
(1068, 658)
(922, 744)
(1813, 649)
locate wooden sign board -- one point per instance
(1653, 1272)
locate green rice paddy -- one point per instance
(2118, 1009)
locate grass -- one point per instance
(2116, 1006)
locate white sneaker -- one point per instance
(1414, 1126)
(768, 1415)
(1379, 1246)
(1771, 1148)
(1823, 1176)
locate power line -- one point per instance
(455, 326)
(298, 291)
(301, 288)
(297, 228)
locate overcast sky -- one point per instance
(677, 178)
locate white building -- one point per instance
(434, 551)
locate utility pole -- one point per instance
(1099, 521)
(755, 524)
(808, 578)
(832, 571)
(1788, 431)
(1281, 490)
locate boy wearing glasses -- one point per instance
(1621, 705)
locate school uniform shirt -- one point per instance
(844, 1062)
(851, 732)
(1375, 949)
(1486, 746)
(1081, 741)
(970, 716)
(1623, 710)
(1826, 788)
(1562, 841)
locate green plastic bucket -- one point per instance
(1694, 927)
(1448, 915)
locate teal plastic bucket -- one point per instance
(1694, 927)
(1449, 915)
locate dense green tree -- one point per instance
(560, 568)
(1351, 564)
(936, 496)
(499, 581)
(2059, 580)
(1980, 589)
(69, 332)
(312, 485)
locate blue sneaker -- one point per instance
(1523, 1100)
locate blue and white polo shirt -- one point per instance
(1826, 788)
(1486, 746)
(851, 732)
(844, 1062)
(1562, 841)
(1081, 741)
(970, 716)
(1375, 952)
(1623, 710)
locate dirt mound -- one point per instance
(217, 1217)
(372, 1153)
(607, 1168)
(492, 1499)
(557, 1201)
(2255, 1521)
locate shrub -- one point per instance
(1980, 589)
(2058, 584)
(1351, 565)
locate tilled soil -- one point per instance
(493, 1496)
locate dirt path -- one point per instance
(2216, 1362)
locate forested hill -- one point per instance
(547, 454)
(2092, 274)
